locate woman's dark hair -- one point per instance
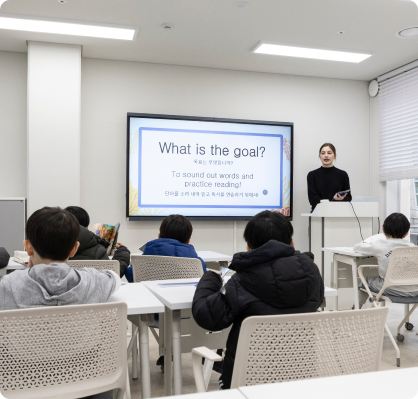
(267, 226)
(52, 232)
(176, 227)
(396, 225)
(81, 215)
(330, 146)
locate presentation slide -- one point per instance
(201, 168)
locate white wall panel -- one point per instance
(13, 72)
(54, 75)
(323, 110)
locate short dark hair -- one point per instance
(81, 215)
(52, 232)
(176, 227)
(266, 226)
(396, 225)
(330, 146)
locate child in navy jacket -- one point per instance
(173, 240)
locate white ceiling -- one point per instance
(212, 33)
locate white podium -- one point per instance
(334, 224)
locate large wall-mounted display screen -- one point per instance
(207, 168)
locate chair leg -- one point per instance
(395, 346)
(154, 333)
(128, 386)
(406, 310)
(207, 371)
(121, 394)
(198, 373)
(406, 318)
(131, 342)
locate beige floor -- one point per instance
(409, 358)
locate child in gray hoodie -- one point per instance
(48, 281)
(395, 228)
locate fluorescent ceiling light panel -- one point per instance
(289, 51)
(66, 28)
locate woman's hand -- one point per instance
(338, 197)
(119, 244)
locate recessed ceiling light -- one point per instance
(2, 1)
(289, 51)
(241, 4)
(66, 28)
(408, 33)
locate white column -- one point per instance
(53, 159)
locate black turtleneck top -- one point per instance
(324, 183)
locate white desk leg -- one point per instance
(167, 356)
(354, 267)
(335, 280)
(144, 357)
(177, 351)
(134, 356)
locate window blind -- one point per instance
(398, 102)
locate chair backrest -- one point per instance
(403, 267)
(150, 267)
(95, 264)
(63, 351)
(308, 345)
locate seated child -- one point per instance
(173, 240)
(395, 228)
(92, 246)
(48, 281)
(271, 278)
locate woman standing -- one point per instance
(327, 181)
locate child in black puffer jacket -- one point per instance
(271, 278)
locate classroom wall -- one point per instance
(13, 78)
(321, 109)
(377, 188)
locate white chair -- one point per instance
(301, 346)
(95, 264)
(151, 268)
(402, 270)
(63, 351)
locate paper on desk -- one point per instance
(346, 249)
(173, 285)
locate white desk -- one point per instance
(138, 298)
(333, 224)
(175, 299)
(214, 260)
(141, 302)
(211, 257)
(11, 266)
(400, 383)
(344, 280)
